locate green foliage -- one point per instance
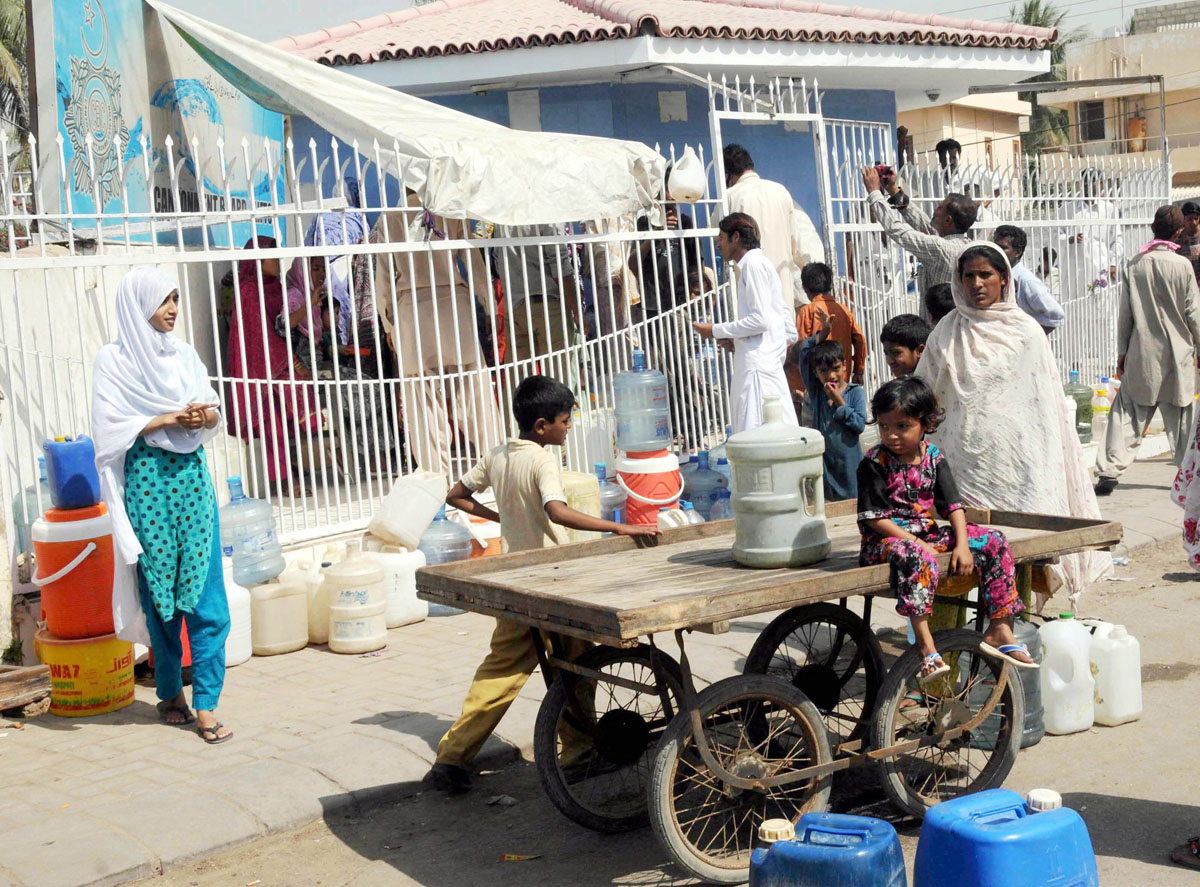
(1047, 126)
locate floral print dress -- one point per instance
(908, 495)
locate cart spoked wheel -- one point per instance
(593, 753)
(830, 655)
(757, 727)
(944, 748)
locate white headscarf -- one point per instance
(142, 375)
(1009, 431)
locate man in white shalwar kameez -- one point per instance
(763, 331)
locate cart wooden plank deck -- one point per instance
(622, 734)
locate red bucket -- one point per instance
(652, 481)
(74, 551)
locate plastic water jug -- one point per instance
(688, 467)
(722, 468)
(1101, 406)
(828, 850)
(583, 494)
(278, 616)
(29, 505)
(778, 496)
(690, 512)
(672, 519)
(248, 536)
(991, 839)
(687, 179)
(723, 509)
(702, 485)
(409, 507)
(642, 408)
(312, 576)
(357, 605)
(400, 584)
(445, 542)
(239, 644)
(1116, 659)
(1066, 676)
(651, 481)
(75, 558)
(71, 472)
(612, 497)
(1082, 395)
(1034, 728)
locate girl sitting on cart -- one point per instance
(900, 483)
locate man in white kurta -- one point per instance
(783, 236)
(764, 328)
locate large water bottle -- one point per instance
(612, 497)
(722, 468)
(642, 408)
(248, 536)
(444, 542)
(722, 509)
(1082, 395)
(27, 507)
(702, 485)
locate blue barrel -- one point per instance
(990, 839)
(71, 473)
(832, 850)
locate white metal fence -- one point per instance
(363, 341)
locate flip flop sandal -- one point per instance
(1187, 854)
(215, 731)
(167, 707)
(911, 701)
(932, 668)
(1003, 653)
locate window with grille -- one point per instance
(1091, 121)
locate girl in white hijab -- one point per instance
(153, 408)
(1007, 431)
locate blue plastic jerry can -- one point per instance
(828, 850)
(991, 839)
(71, 472)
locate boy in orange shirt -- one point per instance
(817, 280)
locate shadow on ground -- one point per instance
(1134, 828)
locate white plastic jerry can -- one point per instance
(1066, 676)
(1116, 660)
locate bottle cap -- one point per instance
(686, 506)
(773, 830)
(1039, 800)
(1066, 615)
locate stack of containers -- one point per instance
(646, 468)
(91, 670)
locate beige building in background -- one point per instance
(988, 127)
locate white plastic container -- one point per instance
(1066, 676)
(357, 605)
(642, 408)
(408, 509)
(248, 536)
(278, 616)
(318, 605)
(778, 493)
(239, 645)
(399, 583)
(672, 518)
(1116, 659)
(692, 515)
(583, 494)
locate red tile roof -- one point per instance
(460, 27)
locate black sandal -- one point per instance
(215, 730)
(168, 707)
(1187, 854)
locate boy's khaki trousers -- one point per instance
(497, 682)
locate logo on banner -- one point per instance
(95, 109)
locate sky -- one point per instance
(271, 19)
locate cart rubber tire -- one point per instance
(678, 743)
(822, 684)
(899, 774)
(568, 798)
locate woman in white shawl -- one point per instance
(153, 408)
(1007, 432)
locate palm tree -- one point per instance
(1047, 126)
(14, 73)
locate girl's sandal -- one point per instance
(912, 700)
(1187, 854)
(215, 732)
(932, 668)
(1005, 652)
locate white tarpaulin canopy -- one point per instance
(459, 165)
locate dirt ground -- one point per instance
(1135, 786)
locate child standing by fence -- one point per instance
(900, 483)
(839, 409)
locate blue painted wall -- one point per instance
(631, 111)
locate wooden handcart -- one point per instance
(623, 735)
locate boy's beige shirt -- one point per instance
(524, 476)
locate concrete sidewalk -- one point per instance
(120, 797)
